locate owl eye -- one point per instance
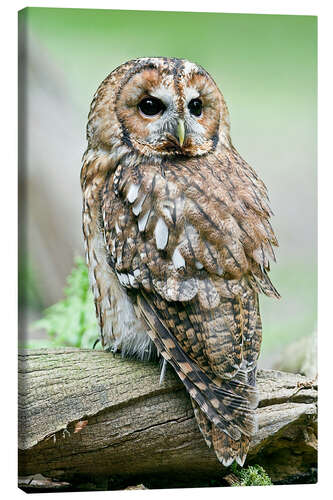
(195, 107)
(151, 106)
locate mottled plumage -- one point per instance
(178, 239)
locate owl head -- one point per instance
(159, 107)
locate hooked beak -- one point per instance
(181, 132)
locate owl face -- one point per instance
(163, 107)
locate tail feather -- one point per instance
(208, 395)
(225, 447)
(224, 408)
(204, 424)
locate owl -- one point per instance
(178, 239)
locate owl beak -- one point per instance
(181, 132)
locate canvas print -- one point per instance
(167, 260)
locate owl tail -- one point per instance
(224, 408)
(226, 448)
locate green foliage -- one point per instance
(72, 321)
(254, 475)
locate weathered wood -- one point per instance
(86, 413)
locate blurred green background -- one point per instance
(266, 67)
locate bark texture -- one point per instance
(86, 414)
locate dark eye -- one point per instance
(151, 106)
(195, 107)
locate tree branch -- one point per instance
(86, 413)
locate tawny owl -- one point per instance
(178, 239)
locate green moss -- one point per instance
(254, 475)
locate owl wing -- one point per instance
(193, 244)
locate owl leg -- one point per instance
(163, 369)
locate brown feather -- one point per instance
(184, 231)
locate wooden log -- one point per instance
(85, 414)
